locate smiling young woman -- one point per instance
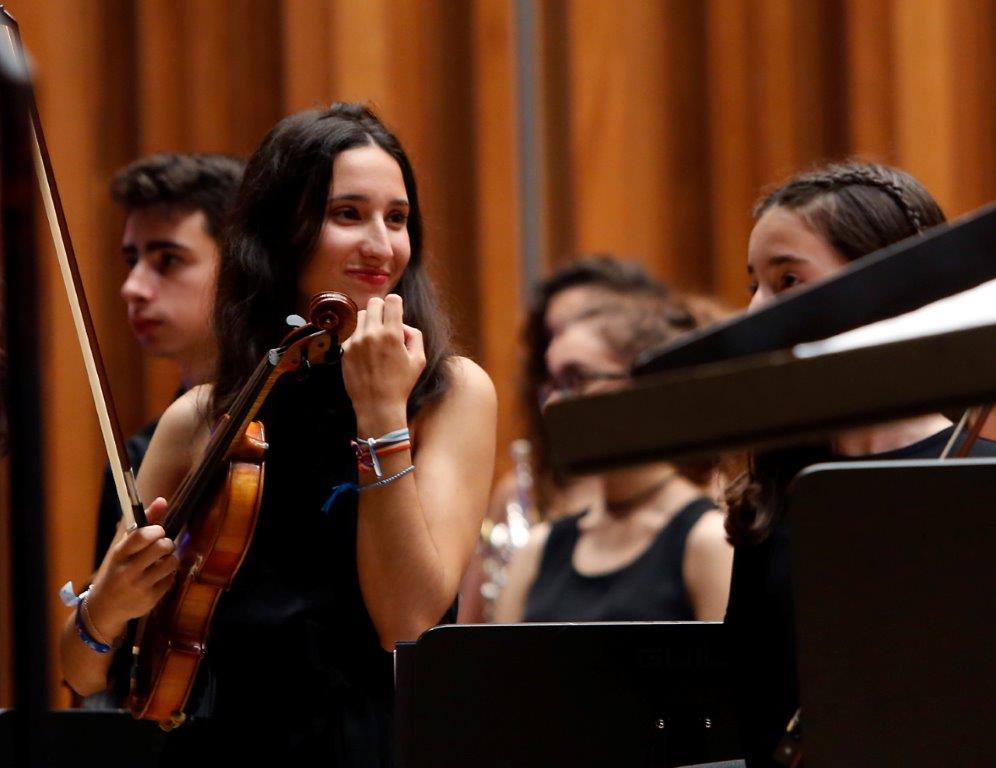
(299, 665)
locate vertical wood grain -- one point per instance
(617, 127)
(497, 218)
(731, 138)
(871, 106)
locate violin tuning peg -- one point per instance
(296, 321)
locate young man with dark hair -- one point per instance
(176, 207)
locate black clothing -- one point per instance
(762, 623)
(294, 668)
(651, 588)
(109, 511)
(294, 662)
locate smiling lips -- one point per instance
(369, 276)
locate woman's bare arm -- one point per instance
(416, 536)
(707, 567)
(511, 604)
(139, 565)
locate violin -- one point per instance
(213, 516)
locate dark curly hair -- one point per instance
(187, 182)
(858, 208)
(275, 226)
(640, 313)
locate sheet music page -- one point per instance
(970, 309)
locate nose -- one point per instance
(139, 285)
(377, 242)
(760, 298)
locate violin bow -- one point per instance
(132, 510)
(974, 431)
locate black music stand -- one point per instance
(110, 738)
(628, 694)
(894, 625)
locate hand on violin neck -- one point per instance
(136, 572)
(381, 363)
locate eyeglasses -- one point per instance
(574, 381)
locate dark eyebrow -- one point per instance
(400, 202)
(154, 245)
(778, 261)
(164, 245)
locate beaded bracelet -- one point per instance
(89, 640)
(343, 487)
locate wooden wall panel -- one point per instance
(733, 182)
(363, 53)
(870, 83)
(925, 129)
(686, 181)
(972, 102)
(559, 241)
(305, 46)
(793, 85)
(664, 120)
(497, 219)
(616, 128)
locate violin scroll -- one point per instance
(333, 312)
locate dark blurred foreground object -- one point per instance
(761, 395)
(112, 739)
(20, 419)
(640, 695)
(912, 684)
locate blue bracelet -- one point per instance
(343, 487)
(86, 637)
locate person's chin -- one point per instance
(156, 344)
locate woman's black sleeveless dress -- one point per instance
(651, 588)
(294, 667)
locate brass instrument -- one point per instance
(501, 538)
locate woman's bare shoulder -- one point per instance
(470, 378)
(187, 416)
(470, 400)
(708, 534)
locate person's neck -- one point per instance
(197, 368)
(628, 490)
(891, 436)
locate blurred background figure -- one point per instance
(596, 311)
(176, 207)
(651, 544)
(533, 490)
